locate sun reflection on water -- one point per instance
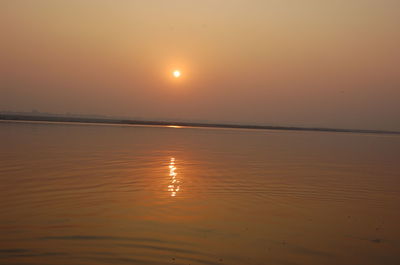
(174, 185)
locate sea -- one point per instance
(94, 194)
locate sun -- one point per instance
(176, 73)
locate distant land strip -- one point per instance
(44, 118)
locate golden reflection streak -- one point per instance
(174, 186)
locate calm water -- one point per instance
(98, 194)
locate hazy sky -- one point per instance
(284, 62)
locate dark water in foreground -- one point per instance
(96, 194)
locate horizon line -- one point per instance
(65, 118)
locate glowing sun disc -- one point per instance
(177, 74)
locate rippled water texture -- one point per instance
(98, 194)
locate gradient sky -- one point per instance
(281, 62)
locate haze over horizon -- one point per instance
(304, 63)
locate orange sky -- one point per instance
(307, 63)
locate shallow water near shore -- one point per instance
(101, 194)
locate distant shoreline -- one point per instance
(43, 118)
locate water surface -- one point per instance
(98, 194)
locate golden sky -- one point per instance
(281, 62)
